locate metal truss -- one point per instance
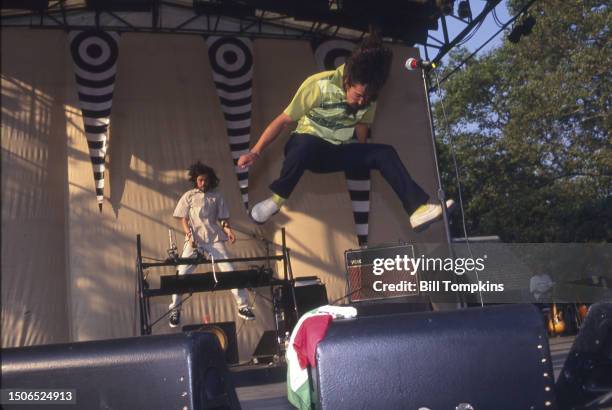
(439, 47)
(180, 17)
(174, 18)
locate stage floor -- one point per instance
(267, 396)
(273, 396)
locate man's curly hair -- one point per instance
(369, 64)
(198, 169)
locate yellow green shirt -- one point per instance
(319, 106)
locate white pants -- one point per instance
(217, 251)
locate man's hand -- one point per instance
(247, 159)
(230, 234)
(190, 239)
(270, 133)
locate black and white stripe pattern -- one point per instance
(329, 55)
(231, 59)
(95, 54)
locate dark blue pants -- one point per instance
(307, 152)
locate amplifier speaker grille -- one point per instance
(361, 278)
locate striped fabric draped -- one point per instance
(231, 59)
(95, 54)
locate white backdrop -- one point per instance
(68, 270)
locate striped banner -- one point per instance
(231, 59)
(95, 54)
(329, 55)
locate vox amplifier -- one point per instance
(381, 273)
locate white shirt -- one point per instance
(540, 285)
(204, 210)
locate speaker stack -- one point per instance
(481, 358)
(179, 371)
(586, 379)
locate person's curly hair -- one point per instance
(198, 169)
(369, 64)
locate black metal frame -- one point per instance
(145, 294)
(445, 44)
(264, 24)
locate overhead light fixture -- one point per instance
(445, 6)
(523, 27)
(528, 24)
(231, 8)
(515, 35)
(334, 5)
(464, 11)
(33, 5)
(120, 5)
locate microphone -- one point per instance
(414, 63)
(172, 250)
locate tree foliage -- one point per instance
(529, 123)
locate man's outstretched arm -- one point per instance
(272, 131)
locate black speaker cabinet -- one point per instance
(586, 378)
(225, 332)
(178, 371)
(267, 347)
(487, 358)
(307, 293)
(310, 293)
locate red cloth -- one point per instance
(308, 336)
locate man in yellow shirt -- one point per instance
(329, 108)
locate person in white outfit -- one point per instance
(205, 221)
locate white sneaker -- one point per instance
(246, 313)
(264, 210)
(428, 213)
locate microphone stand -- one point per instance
(440, 192)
